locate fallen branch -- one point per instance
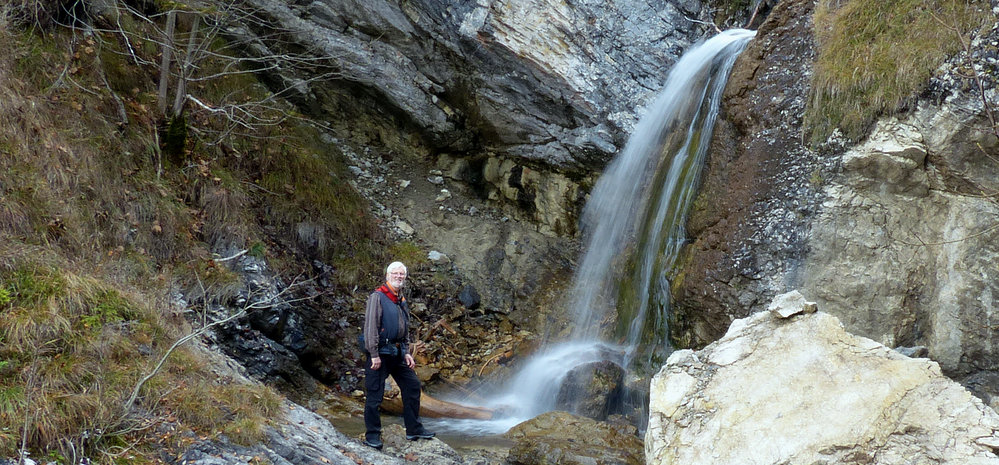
(135, 392)
(237, 255)
(435, 408)
(508, 353)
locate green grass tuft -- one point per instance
(408, 253)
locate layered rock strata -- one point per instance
(516, 103)
(894, 235)
(536, 79)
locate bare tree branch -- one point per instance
(251, 305)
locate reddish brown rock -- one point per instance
(756, 160)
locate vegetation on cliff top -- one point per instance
(98, 225)
(874, 57)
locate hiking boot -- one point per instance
(376, 443)
(421, 435)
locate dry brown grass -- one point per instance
(82, 182)
(73, 349)
(95, 228)
(87, 232)
(874, 57)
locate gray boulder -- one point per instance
(591, 390)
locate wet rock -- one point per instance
(730, 402)
(291, 346)
(985, 386)
(749, 224)
(469, 297)
(563, 438)
(265, 359)
(592, 390)
(280, 324)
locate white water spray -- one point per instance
(639, 204)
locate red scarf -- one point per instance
(388, 291)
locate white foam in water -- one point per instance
(541, 377)
(684, 112)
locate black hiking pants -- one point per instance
(374, 390)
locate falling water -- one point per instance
(633, 225)
(641, 201)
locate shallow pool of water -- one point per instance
(461, 435)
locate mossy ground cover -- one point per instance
(97, 226)
(875, 57)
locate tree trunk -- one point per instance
(181, 97)
(165, 63)
(433, 408)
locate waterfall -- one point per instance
(633, 227)
(641, 201)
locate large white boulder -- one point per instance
(801, 390)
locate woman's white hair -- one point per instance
(393, 266)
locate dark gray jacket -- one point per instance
(384, 322)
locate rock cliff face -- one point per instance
(902, 257)
(500, 112)
(544, 80)
(895, 235)
(798, 389)
(508, 105)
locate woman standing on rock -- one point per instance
(386, 334)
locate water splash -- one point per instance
(633, 229)
(544, 374)
(536, 386)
